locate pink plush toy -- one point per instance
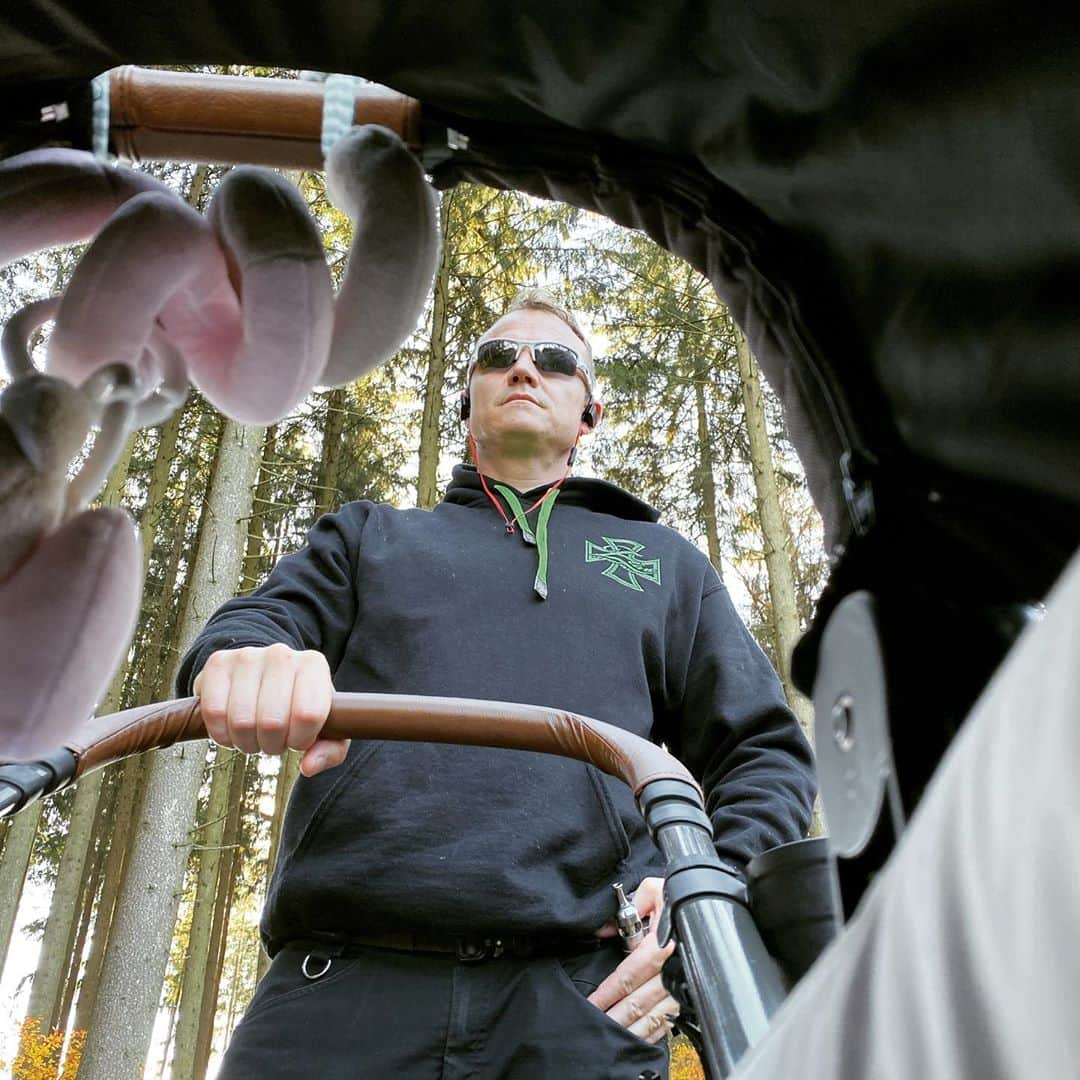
(239, 302)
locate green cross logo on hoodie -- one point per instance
(625, 564)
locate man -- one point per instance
(398, 869)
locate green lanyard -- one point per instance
(539, 538)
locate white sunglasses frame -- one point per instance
(584, 365)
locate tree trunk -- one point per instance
(159, 484)
(167, 1045)
(200, 180)
(427, 479)
(773, 527)
(63, 909)
(256, 534)
(706, 482)
(234, 994)
(161, 657)
(128, 785)
(326, 492)
(208, 841)
(287, 774)
(774, 533)
(82, 931)
(128, 677)
(231, 859)
(129, 775)
(119, 1035)
(13, 866)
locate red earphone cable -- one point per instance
(495, 502)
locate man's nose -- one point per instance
(523, 367)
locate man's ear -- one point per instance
(590, 418)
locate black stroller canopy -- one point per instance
(886, 197)
(885, 194)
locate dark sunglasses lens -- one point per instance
(496, 354)
(551, 357)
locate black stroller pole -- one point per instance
(734, 984)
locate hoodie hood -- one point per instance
(465, 489)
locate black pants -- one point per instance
(382, 1013)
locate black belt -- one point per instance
(468, 947)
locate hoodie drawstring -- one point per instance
(539, 538)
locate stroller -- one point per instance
(887, 201)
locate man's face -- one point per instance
(521, 409)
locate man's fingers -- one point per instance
(324, 754)
(639, 1003)
(268, 699)
(274, 699)
(243, 698)
(637, 969)
(649, 897)
(658, 1021)
(312, 695)
(212, 688)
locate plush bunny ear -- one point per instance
(155, 257)
(56, 196)
(66, 616)
(61, 196)
(277, 264)
(43, 423)
(372, 177)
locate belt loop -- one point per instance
(522, 946)
(471, 949)
(328, 946)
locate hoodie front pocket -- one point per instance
(619, 839)
(360, 755)
(454, 836)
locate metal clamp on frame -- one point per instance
(21, 782)
(670, 802)
(691, 879)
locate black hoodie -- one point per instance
(637, 630)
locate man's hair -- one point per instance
(538, 299)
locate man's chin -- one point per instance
(530, 420)
(519, 440)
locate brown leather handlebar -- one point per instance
(619, 753)
(231, 119)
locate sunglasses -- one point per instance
(550, 357)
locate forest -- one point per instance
(129, 904)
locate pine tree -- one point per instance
(435, 378)
(13, 867)
(119, 1034)
(208, 840)
(785, 616)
